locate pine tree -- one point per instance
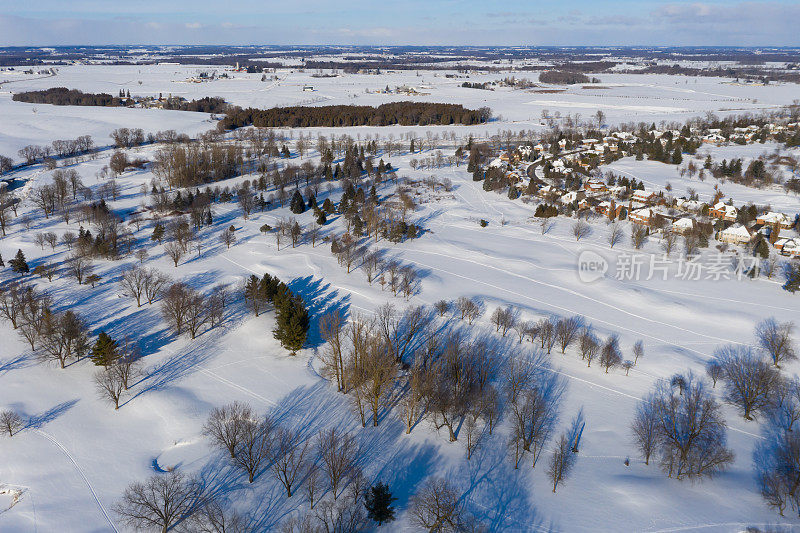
(158, 232)
(19, 264)
(378, 501)
(297, 204)
(104, 351)
(677, 157)
(292, 321)
(358, 226)
(321, 218)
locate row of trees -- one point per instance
(59, 148)
(62, 338)
(403, 113)
(457, 383)
(326, 468)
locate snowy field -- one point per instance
(65, 471)
(622, 97)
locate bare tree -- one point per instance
(775, 339)
(109, 385)
(254, 447)
(536, 410)
(749, 380)
(228, 238)
(504, 319)
(581, 229)
(547, 333)
(784, 409)
(690, 430)
(442, 307)
(174, 251)
(133, 283)
(338, 452)
(668, 242)
(777, 468)
(566, 330)
(561, 461)
(371, 265)
(160, 502)
(175, 305)
(11, 422)
(290, 459)
(615, 235)
(638, 351)
(645, 428)
(154, 284)
(638, 235)
(225, 425)
(437, 507)
(588, 345)
(330, 326)
(610, 355)
(209, 516)
(64, 336)
(80, 267)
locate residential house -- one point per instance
(609, 206)
(643, 216)
(775, 219)
(595, 187)
(572, 196)
(735, 234)
(683, 225)
(723, 211)
(644, 197)
(790, 247)
(713, 138)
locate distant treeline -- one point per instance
(402, 113)
(64, 96)
(563, 77)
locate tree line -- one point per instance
(402, 113)
(64, 96)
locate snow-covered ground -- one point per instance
(622, 97)
(656, 176)
(65, 471)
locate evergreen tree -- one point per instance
(158, 232)
(321, 218)
(292, 320)
(378, 501)
(677, 157)
(358, 226)
(19, 264)
(792, 278)
(297, 205)
(104, 351)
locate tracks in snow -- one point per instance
(80, 472)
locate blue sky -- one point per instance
(431, 22)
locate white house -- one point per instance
(683, 225)
(735, 234)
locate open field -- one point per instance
(66, 470)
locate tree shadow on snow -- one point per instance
(39, 420)
(319, 299)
